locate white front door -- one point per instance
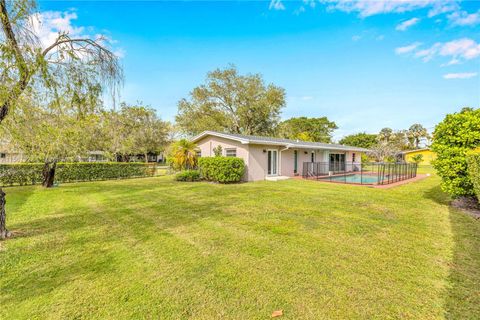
(272, 156)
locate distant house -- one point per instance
(11, 156)
(271, 158)
(8, 153)
(428, 155)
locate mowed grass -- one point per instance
(158, 249)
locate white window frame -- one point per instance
(276, 166)
(229, 150)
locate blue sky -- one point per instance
(363, 64)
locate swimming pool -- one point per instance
(353, 178)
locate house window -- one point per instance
(231, 152)
(3, 155)
(295, 159)
(353, 157)
(312, 156)
(199, 153)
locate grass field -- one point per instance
(158, 249)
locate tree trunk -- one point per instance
(4, 233)
(49, 174)
(146, 157)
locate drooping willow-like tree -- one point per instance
(68, 63)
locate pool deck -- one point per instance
(378, 186)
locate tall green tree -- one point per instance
(415, 134)
(307, 129)
(362, 140)
(233, 103)
(132, 130)
(146, 132)
(27, 65)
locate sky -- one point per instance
(363, 64)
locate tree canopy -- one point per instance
(233, 103)
(362, 140)
(307, 129)
(82, 64)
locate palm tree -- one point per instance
(183, 155)
(415, 134)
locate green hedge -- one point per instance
(188, 175)
(473, 161)
(32, 173)
(221, 169)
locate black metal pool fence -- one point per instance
(378, 173)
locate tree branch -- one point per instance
(22, 65)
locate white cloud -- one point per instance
(442, 7)
(310, 3)
(299, 11)
(380, 37)
(464, 75)
(47, 25)
(276, 5)
(356, 38)
(407, 24)
(306, 98)
(373, 7)
(457, 50)
(407, 49)
(452, 62)
(462, 48)
(463, 18)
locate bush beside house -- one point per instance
(222, 169)
(32, 173)
(188, 175)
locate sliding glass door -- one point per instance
(272, 162)
(337, 162)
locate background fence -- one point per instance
(359, 173)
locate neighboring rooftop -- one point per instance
(246, 139)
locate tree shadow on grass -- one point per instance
(16, 198)
(54, 258)
(463, 297)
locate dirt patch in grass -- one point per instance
(469, 205)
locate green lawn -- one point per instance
(158, 249)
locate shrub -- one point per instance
(222, 169)
(32, 173)
(453, 138)
(188, 175)
(418, 158)
(473, 161)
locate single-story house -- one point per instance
(427, 155)
(8, 156)
(270, 158)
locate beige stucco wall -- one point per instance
(256, 160)
(207, 144)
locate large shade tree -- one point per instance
(135, 129)
(307, 129)
(233, 103)
(28, 64)
(362, 140)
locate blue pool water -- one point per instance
(353, 178)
